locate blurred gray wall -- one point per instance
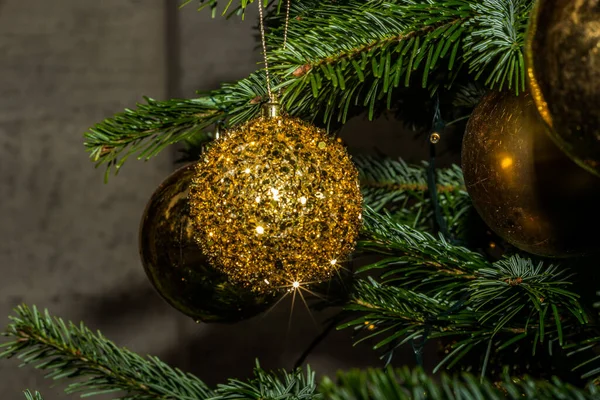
(68, 241)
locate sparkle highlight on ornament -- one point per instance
(506, 162)
(296, 285)
(303, 200)
(275, 194)
(260, 230)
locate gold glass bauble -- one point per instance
(563, 62)
(276, 201)
(526, 189)
(176, 266)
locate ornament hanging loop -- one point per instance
(272, 109)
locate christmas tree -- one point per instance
(493, 267)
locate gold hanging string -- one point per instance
(264, 42)
(264, 46)
(287, 21)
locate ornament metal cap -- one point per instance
(272, 109)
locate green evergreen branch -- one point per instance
(296, 385)
(402, 190)
(383, 23)
(324, 70)
(406, 384)
(147, 130)
(443, 270)
(155, 125)
(71, 351)
(402, 316)
(468, 95)
(432, 288)
(391, 42)
(384, 235)
(495, 46)
(397, 384)
(33, 396)
(229, 8)
(584, 346)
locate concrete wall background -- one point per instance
(68, 242)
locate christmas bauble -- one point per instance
(276, 203)
(563, 59)
(526, 189)
(176, 265)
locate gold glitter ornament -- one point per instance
(176, 266)
(563, 65)
(523, 186)
(276, 201)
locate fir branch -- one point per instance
(384, 235)
(33, 396)
(229, 8)
(406, 384)
(71, 351)
(147, 130)
(390, 42)
(432, 288)
(400, 384)
(584, 346)
(495, 45)
(296, 385)
(325, 71)
(468, 95)
(156, 125)
(402, 190)
(441, 269)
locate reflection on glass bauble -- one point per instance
(563, 63)
(176, 266)
(525, 188)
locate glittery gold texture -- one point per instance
(276, 201)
